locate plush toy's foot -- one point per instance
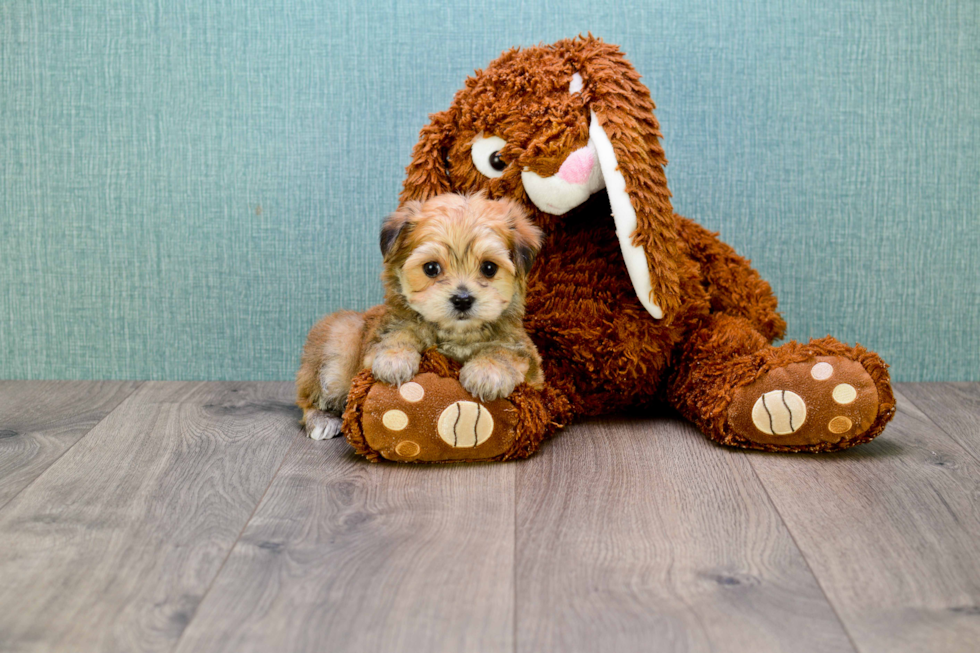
(740, 391)
(829, 399)
(433, 419)
(822, 404)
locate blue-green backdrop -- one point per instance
(186, 185)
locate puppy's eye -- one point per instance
(486, 155)
(488, 269)
(432, 269)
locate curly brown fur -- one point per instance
(455, 276)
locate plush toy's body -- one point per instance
(580, 293)
(628, 303)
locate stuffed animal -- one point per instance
(629, 304)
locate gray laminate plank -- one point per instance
(954, 407)
(40, 420)
(890, 529)
(345, 555)
(640, 535)
(114, 546)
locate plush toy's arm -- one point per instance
(734, 286)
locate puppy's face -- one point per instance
(460, 262)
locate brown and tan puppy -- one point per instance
(455, 276)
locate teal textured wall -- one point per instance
(186, 185)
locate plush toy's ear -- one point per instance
(627, 139)
(428, 173)
(525, 238)
(397, 225)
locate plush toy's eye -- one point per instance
(488, 269)
(486, 155)
(432, 269)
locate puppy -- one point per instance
(455, 279)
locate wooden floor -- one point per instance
(196, 517)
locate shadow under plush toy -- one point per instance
(628, 303)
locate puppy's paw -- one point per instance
(321, 425)
(395, 366)
(489, 379)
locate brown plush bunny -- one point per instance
(628, 303)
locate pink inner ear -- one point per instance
(577, 167)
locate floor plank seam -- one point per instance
(955, 441)
(234, 545)
(139, 384)
(806, 560)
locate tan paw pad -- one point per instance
(779, 412)
(465, 424)
(844, 393)
(822, 371)
(394, 420)
(412, 392)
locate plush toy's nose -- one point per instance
(579, 176)
(578, 166)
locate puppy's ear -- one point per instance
(397, 225)
(525, 238)
(428, 173)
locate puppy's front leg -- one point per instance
(493, 373)
(395, 359)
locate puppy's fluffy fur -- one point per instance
(455, 277)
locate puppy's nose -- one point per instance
(462, 301)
